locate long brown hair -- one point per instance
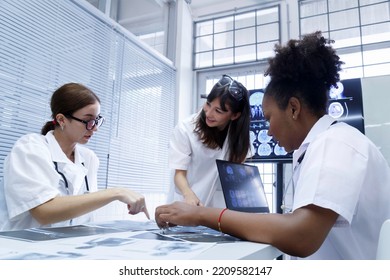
(237, 131)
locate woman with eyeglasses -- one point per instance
(50, 179)
(342, 183)
(220, 130)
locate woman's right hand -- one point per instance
(177, 213)
(135, 201)
(183, 186)
(192, 199)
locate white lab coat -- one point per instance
(187, 152)
(342, 170)
(30, 178)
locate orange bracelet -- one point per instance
(219, 219)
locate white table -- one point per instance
(125, 244)
(241, 250)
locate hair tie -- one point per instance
(54, 122)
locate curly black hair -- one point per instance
(305, 69)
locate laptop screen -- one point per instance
(242, 187)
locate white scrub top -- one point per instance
(187, 152)
(30, 178)
(344, 171)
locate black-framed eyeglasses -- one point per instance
(89, 125)
(235, 88)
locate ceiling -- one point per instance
(142, 17)
(202, 8)
(199, 8)
(199, 4)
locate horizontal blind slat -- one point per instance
(47, 43)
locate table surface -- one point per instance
(129, 240)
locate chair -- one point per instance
(383, 251)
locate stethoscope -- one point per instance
(66, 181)
(285, 208)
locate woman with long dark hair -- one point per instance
(220, 130)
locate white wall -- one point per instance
(376, 100)
(184, 82)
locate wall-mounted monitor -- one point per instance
(344, 104)
(263, 147)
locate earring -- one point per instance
(62, 127)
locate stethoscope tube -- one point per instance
(66, 181)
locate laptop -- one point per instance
(242, 187)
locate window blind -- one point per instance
(44, 44)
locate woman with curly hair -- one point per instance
(341, 182)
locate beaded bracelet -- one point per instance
(219, 219)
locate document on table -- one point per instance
(120, 245)
(51, 233)
(110, 240)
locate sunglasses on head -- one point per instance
(235, 88)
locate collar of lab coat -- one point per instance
(56, 152)
(321, 125)
(74, 172)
